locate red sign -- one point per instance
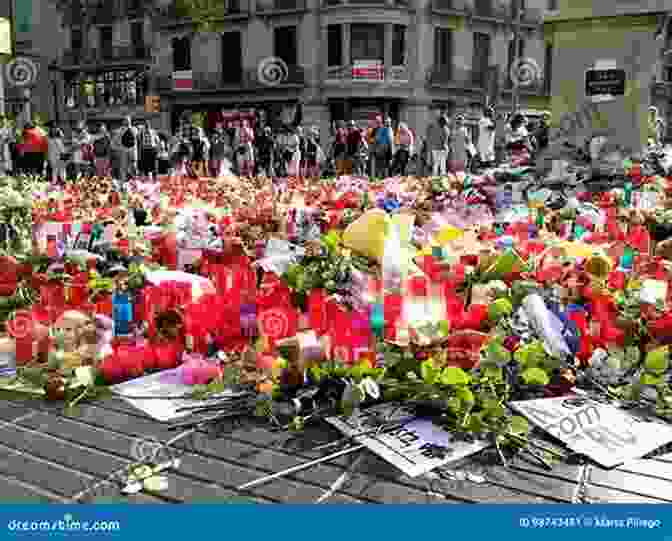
(183, 80)
(370, 70)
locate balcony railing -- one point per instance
(454, 76)
(488, 10)
(448, 6)
(248, 80)
(540, 87)
(332, 3)
(112, 54)
(391, 74)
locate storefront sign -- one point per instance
(368, 70)
(183, 80)
(605, 82)
(5, 37)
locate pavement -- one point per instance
(47, 455)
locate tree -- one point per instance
(206, 14)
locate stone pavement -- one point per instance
(47, 456)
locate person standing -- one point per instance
(163, 155)
(149, 150)
(405, 141)
(81, 140)
(340, 148)
(7, 139)
(293, 151)
(486, 138)
(220, 151)
(56, 153)
(127, 145)
(245, 149)
(265, 150)
(437, 139)
(383, 149)
(35, 148)
(356, 160)
(518, 140)
(101, 152)
(311, 154)
(460, 143)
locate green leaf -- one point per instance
(535, 376)
(531, 355)
(493, 373)
(466, 396)
(519, 426)
(453, 375)
(657, 360)
(428, 372)
(476, 423)
(454, 404)
(651, 379)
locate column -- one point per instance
(387, 43)
(346, 44)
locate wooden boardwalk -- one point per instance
(46, 456)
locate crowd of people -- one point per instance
(256, 148)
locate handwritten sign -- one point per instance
(413, 448)
(601, 432)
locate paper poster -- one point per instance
(411, 448)
(603, 433)
(645, 200)
(162, 384)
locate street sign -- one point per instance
(605, 82)
(6, 37)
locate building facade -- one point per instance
(38, 38)
(345, 59)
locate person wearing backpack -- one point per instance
(149, 149)
(201, 150)
(101, 152)
(128, 149)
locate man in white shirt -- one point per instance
(486, 137)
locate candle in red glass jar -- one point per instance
(167, 355)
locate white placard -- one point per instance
(162, 384)
(653, 291)
(409, 447)
(645, 200)
(603, 433)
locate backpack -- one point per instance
(101, 147)
(128, 139)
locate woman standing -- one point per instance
(294, 153)
(101, 151)
(246, 149)
(80, 148)
(340, 147)
(460, 143)
(163, 155)
(405, 141)
(55, 154)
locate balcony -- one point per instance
(249, 80)
(455, 77)
(72, 58)
(337, 75)
(172, 14)
(541, 87)
(449, 7)
(487, 11)
(269, 7)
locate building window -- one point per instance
(334, 45)
(181, 54)
(399, 45)
(481, 57)
(232, 51)
(552, 5)
(76, 40)
(483, 7)
(443, 47)
(138, 39)
(548, 67)
(285, 44)
(512, 56)
(367, 42)
(106, 42)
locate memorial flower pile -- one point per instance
(453, 296)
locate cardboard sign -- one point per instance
(411, 448)
(601, 432)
